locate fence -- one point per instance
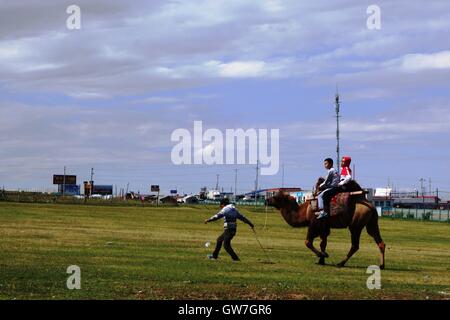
(441, 215)
(417, 214)
(239, 203)
(38, 197)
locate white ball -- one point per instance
(207, 244)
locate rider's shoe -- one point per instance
(321, 214)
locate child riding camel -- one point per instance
(330, 188)
(346, 172)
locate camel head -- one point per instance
(290, 210)
(281, 201)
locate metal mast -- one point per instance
(256, 181)
(337, 104)
(235, 183)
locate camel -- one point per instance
(361, 213)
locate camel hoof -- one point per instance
(382, 267)
(321, 261)
(322, 255)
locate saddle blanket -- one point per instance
(338, 204)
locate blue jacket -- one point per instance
(230, 214)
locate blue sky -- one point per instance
(109, 95)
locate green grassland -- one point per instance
(132, 252)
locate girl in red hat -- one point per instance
(346, 172)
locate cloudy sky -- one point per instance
(110, 94)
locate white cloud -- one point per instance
(233, 69)
(404, 125)
(158, 100)
(366, 94)
(417, 62)
(169, 45)
(241, 69)
(8, 50)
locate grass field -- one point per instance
(159, 253)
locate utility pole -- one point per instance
(421, 190)
(337, 105)
(64, 182)
(92, 181)
(256, 181)
(217, 182)
(235, 183)
(429, 185)
(421, 185)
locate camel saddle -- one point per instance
(339, 203)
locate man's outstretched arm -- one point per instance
(215, 217)
(244, 219)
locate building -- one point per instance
(384, 199)
(416, 202)
(214, 195)
(104, 190)
(91, 188)
(273, 191)
(301, 196)
(263, 194)
(381, 198)
(69, 189)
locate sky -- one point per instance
(109, 95)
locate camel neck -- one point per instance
(295, 216)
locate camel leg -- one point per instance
(310, 246)
(324, 233)
(323, 247)
(309, 243)
(374, 231)
(356, 234)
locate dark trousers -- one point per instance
(225, 238)
(327, 196)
